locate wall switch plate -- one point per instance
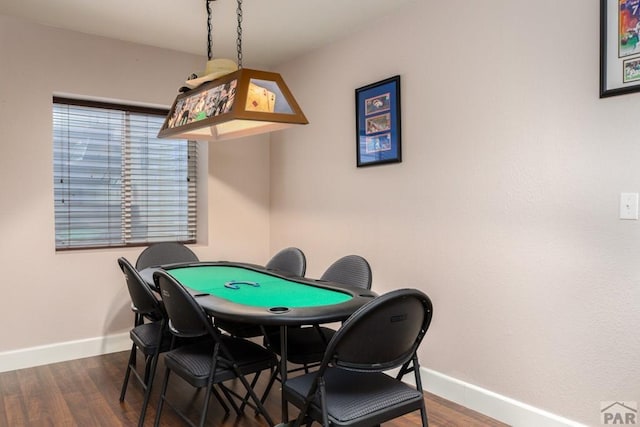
(628, 205)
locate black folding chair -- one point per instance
(212, 362)
(350, 387)
(150, 338)
(288, 261)
(165, 253)
(306, 345)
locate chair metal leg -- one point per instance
(232, 402)
(131, 362)
(147, 368)
(151, 367)
(405, 369)
(256, 400)
(205, 409)
(220, 400)
(163, 394)
(423, 416)
(272, 380)
(246, 396)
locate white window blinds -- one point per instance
(115, 183)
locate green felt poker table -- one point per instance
(253, 294)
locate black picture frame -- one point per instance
(378, 130)
(619, 47)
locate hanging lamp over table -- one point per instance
(228, 101)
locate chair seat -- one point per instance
(194, 362)
(145, 337)
(352, 395)
(304, 345)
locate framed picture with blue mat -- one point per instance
(378, 132)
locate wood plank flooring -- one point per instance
(85, 393)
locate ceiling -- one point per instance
(274, 31)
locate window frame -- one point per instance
(127, 108)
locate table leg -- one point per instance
(283, 371)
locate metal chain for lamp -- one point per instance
(209, 31)
(239, 39)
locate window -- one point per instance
(115, 183)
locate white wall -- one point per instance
(49, 298)
(505, 207)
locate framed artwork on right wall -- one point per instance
(378, 133)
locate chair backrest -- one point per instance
(350, 270)
(186, 317)
(142, 297)
(289, 260)
(383, 334)
(165, 253)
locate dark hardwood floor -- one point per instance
(85, 392)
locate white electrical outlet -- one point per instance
(628, 205)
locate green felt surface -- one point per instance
(272, 292)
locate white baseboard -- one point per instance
(60, 352)
(486, 402)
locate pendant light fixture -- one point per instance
(227, 101)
